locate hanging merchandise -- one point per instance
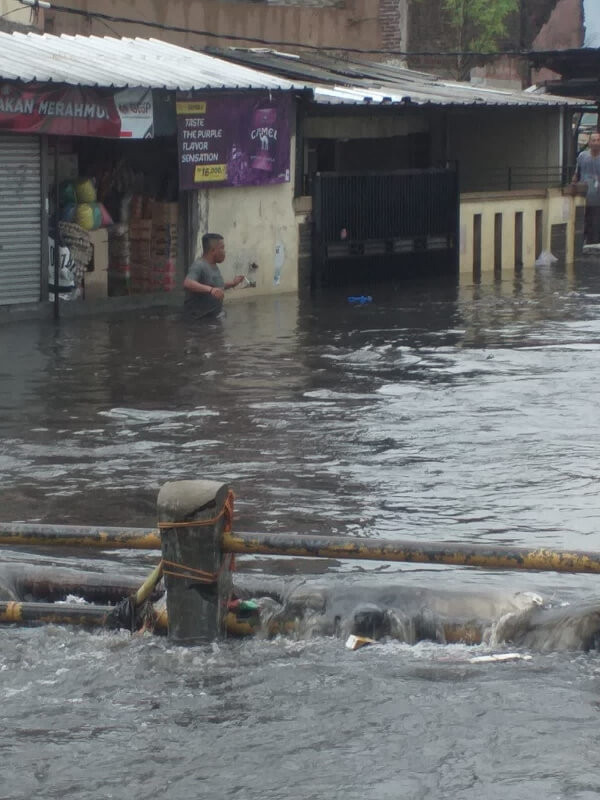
(105, 217)
(80, 247)
(67, 285)
(67, 195)
(85, 190)
(68, 211)
(97, 215)
(84, 216)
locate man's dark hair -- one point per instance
(209, 239)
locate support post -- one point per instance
(192, 516)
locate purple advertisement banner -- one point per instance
(233, 139)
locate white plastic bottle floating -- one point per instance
(499, 657)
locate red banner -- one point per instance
(68, 111)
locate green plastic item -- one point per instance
(248, 605)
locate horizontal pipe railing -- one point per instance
(106, 538)
(334, 547)
(52, 613)
(449, 553)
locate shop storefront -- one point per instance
(89, 180)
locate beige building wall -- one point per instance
(259, 225)
(555, 207)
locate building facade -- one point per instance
(316, 169)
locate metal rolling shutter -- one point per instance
(20, 219)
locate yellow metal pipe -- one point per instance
(148, 586)
(11, 612)
(95, 616)
(27, 534)
(24, 613)
(450, 553)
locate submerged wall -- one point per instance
(259, 225)
(492, 223)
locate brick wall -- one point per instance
(428, 30)
(392, 24)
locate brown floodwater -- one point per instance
(458, 412)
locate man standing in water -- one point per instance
(588, 171)
(204, 285)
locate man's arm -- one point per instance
(234, 282)
(202, 288)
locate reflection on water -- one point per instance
(442, 413)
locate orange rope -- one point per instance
(192, 573)
(226, 511)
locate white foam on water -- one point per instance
(199, 444)
(330, 394)
(148, 415)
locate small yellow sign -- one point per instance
(190, 108)
(214, 172)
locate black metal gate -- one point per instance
(372, 226)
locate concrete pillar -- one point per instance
(191, 517)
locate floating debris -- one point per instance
(356, 642)
(499, 657)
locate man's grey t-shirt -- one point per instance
(588, 171)
(201, 304)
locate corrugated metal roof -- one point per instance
(105, 61)
(353, 81)
(111, 62)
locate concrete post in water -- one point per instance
(192, 516)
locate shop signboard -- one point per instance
(233, 138)
(76, 111)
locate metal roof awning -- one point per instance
(110, 62)
(355, 82)
(103, 61)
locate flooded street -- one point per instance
(450, 414)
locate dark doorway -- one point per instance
(370, 226)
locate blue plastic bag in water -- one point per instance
(362, 299)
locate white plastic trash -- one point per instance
(498, 657)
(545, 259)
(356, 642)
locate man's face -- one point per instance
(218, 250)
(595, 141)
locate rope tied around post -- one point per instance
(191, 573)
(198, 575)
(226, 512)
(192, 518)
